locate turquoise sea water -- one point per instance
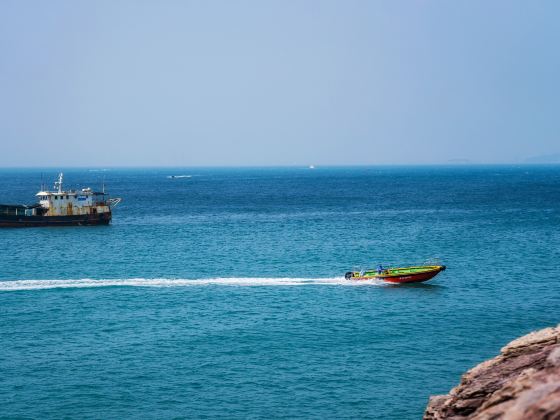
(221, 294)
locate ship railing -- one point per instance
(373, 267)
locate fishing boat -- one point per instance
(414, 274)
(61, 208)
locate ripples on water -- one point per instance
(152, 316)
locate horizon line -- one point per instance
(303, 166)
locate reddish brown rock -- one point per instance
(522, 383)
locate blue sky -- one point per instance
(181, 83)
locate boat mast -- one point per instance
(58, 184)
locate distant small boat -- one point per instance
(415, 274)
(311, 167)
(179, 176)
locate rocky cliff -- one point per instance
(523, 382)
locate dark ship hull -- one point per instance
(41, 221)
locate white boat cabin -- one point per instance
(72, 202)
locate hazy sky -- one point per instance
(110, 83)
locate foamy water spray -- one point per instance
(15, 285)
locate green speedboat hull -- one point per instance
(414, 274)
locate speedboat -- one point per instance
(415, 274)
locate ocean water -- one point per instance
(221, 293)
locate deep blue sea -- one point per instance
(221, 294)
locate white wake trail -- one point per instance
(13, 285)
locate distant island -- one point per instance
(553, 158)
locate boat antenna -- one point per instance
(42, 183)
(103, 184)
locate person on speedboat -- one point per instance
(380, 269)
